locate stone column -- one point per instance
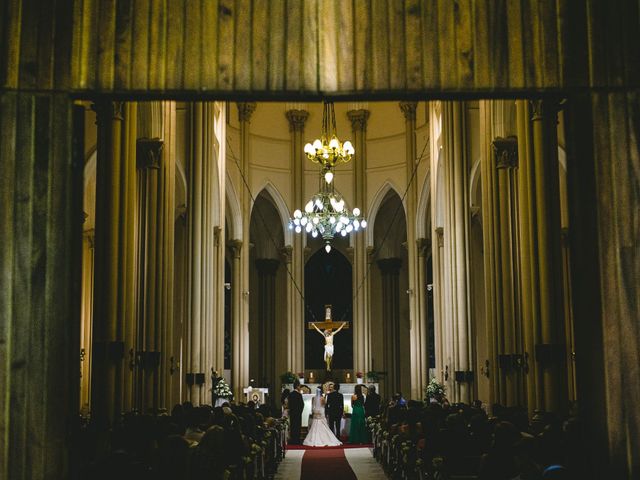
(295, 312)
(417, 292)
(114, 269)
(456, 246)
(155, 236)
(390, 269)
(550, 353)
(267, 268)
(240, 366)
(236, 317)
(499, 162)
(204, 348)
(88, 242)
(361, 318)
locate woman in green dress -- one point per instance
(358, 430)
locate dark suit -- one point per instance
(334, 410)
(296, 405)
(372, 405)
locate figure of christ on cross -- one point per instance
(326, 330)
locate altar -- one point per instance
(346, 389)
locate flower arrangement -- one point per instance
(434, 390)
(288, 377)
(358, 374)
(300, 374)
(222, 389)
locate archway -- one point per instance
(328, 280)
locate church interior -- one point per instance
(179, 250)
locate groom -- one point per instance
(335, 408)
(296, 405)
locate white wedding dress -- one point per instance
(320, 435)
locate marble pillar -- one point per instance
(456, 249)
(416, 290)
(295, 260)
(361, 316)
(205, 346)
(240, 366)
(114, 286)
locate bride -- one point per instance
(319, 433)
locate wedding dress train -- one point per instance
(320, 435)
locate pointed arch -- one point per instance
(281, 207)
(234, 212)
(376, 202)
(424, 208)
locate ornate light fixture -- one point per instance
(325, 214)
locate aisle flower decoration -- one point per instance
(222, 389)
(435, 390)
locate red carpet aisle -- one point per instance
(334, 463)
(324, 463)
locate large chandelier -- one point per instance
(325, 214)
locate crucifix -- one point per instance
(325, 329)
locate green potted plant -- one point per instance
(373, 376)
(288, 377)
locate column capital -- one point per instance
(371, 252)
(236, 247)
(107, 109)
(287, 253)
(409, 110)
(440, 236)
(149, 152)
(423, 245)
(543, 108)
(505, 152)
(245, 110)
(297, 119)
(358, 119)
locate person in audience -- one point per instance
(500, 463)
(372, 403)
(296, 405)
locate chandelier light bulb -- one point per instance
(349, 228)
(303, 221)
(348, 148)
(341, 205)
(338, 227)
(309, 227)
(334, 143)
(309, 207)
(328, 176)
(318, 204)
(356, 224)
(296, 221)
(308, 149)
(297, 214)
(343, 233)
(314, 234)
(356, 212)
(317, 144)
(316, 220)
(332, 220)
(327, 248)
(298, 229)
(363, 224)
